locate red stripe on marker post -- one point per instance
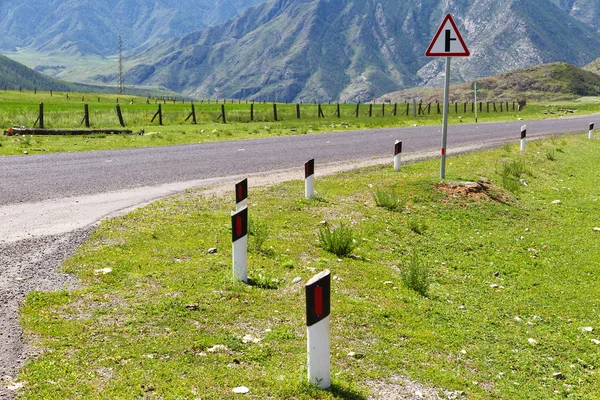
(318, 301)
(309, 168)
(398, 148)
(239, 223)
(241, 194)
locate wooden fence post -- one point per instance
(465, 108)
(429, 109)
(494, 104)
(275, 111)
(371, 110)
(480, 106)
(383, 110)
(501, 106)
(192, 114)
(86, 115)
(455, 107)
(298, 110)
(41, 116)
(395, 112)
(357, 109)
(338, 111)
(407, 109)
(223, 112)
(320, 111)
(473, 107)
(252, 112)
(421, 108)
(158, 114)
(487, 106)
(120, 115)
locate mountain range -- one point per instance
(306, 50)
(84, 27)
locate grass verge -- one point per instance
(512, 281)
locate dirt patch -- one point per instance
(401, 388)
(482, 191)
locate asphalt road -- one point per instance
(51, 176)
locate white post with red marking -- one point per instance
(397, 154)
(523, 136)
(318, 309)
(309, 179)
(241, 195)
(239, 238)
(591, 130)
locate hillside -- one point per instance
(320, 50)
(548, 82)
(14, 76)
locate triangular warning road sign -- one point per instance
(448, 41)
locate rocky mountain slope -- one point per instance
(319, 50)
(83, 27)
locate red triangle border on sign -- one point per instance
(429, 52)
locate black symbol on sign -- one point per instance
(449, 40)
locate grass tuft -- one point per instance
(339, 241)
(416, 276)
(388, 200)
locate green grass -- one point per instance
(21, 109)
(500, 269)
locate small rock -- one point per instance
(494, 286)
(532, 341)
(463, 351)
(558, 375)
(462, 308)
(518, 319)
(297, 279)
(556, 202)
(103, 271)
(212, 250)
(595, 341)
(523, 182)
(587, 329)
(527, 230)
(388, 283)
(419, 394)
(241, 390)
(192, 307)
(537, 318)
(351, 354)
(25, 152)
(218, 348)
(323, 222)
(250, 339)
(596, 229)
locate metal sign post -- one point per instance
(475, 87)
(448, 43)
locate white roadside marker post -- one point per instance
(318, 309)
(239, 238)
(397, 154)
(241, 195)
(523, 136)
(591, 130)
(447, 43)
(309, 179)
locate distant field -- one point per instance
(62, 112)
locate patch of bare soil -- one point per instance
(401, 388)
(482, 191)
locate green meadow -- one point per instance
(60, 112)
